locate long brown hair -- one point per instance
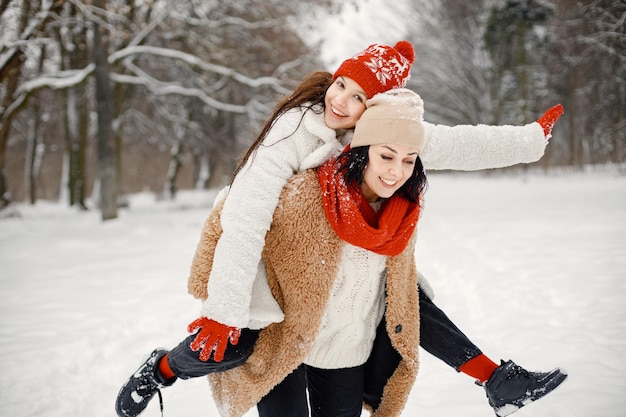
(310, 92)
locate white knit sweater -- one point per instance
(354, 309)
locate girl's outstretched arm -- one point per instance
(470, 148)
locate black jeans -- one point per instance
(439, 336)
(332, 393)
(186, 363)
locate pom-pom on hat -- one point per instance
(379, 67)
(394, 117)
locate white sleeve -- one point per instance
(469, 148)
(246, 217)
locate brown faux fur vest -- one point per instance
(301, 255)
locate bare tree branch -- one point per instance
(197, 63)
(172, 88)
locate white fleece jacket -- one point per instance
(300, 140)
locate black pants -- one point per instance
(186, 363)
(438, 335)
(332, 393)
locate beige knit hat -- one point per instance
(394, 116)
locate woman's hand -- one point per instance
(212, 336)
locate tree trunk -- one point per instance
(33, 153)
(10, 74)
(201, 171)
(219, 172)
(76, 125)
(76, 118)
(169, 190)
(107, 152)
(10, 88)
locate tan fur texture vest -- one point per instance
(301, 255)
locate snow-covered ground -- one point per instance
(531, 266)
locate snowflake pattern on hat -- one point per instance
(383, 66)
(378, 68)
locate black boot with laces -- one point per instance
(511, 387)
(137, 392)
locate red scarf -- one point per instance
(386, 232)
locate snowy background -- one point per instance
(531, 266)
(357, 26)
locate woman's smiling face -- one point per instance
(388, 168)
(344, 103)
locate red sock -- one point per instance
(164, 368)
(480, 367)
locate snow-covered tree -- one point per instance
(588, 72)
(214, 68)
(507, 61)
(191, 80)
(516, 40)
(20, 25)
(452, 67)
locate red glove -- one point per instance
(212, 336)
(549, 118)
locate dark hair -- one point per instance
(353, 162)
(309, 93)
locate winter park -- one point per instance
(104, 191)
(532, 268)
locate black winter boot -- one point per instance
(511, 387)
(137, 392)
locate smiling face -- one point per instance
(388, 168)
(344, 103)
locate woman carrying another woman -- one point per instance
(339, 255)
(306, 129)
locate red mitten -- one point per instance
(549, 118)
(213, 336)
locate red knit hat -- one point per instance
(379, 68)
